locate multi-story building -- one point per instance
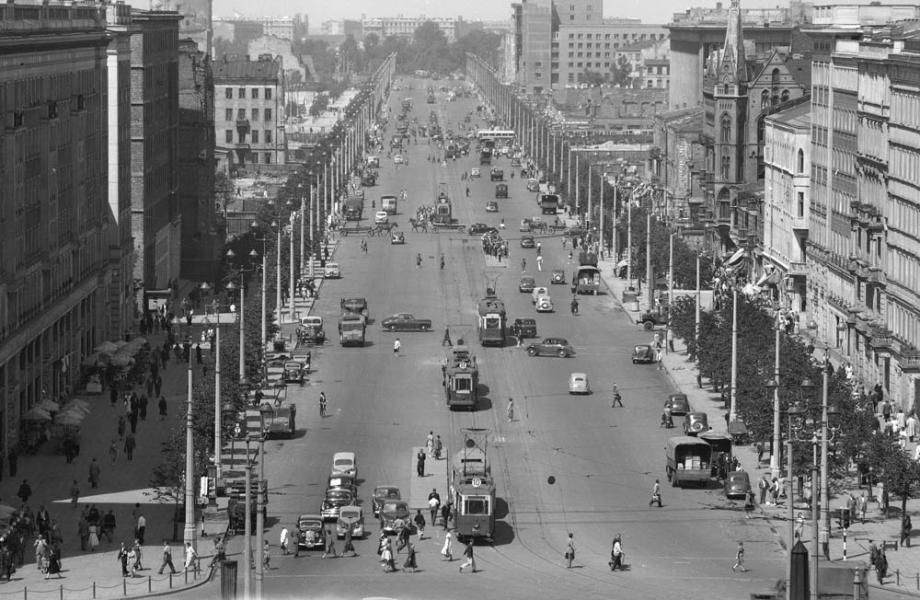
(677, 159)
(647, 63)
(54, 248)
(593, 47)
(249, 112)
(341, 27)
(787, 186)
(196, 23)
(281, 27)
(400, 26)
(156, 217)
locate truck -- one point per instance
(352, 328)
(354, 209)
(485, 157)
(278, 421)
(388, 204)
(354, 306)
(549, 203)
(689, 460)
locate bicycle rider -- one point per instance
(574, 306)
(322, 404)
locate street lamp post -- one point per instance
(217, 408)
(188, 533)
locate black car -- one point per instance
(527, 241)
(678, 403)
(478, 228)
(551, 347)
(643, 353)
(524, 328)
(496, 175)
(527, 284)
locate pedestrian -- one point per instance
(191, 558)
(774, 491)
(386, 556)
(881, 565)
(158, 385)
(763, 486)
(108, 525)
(429, 443)
(121, 426)
(295, 541)
(420, 463)
(113, 451)
(330, 543)
(83, 533)
(162, 406)
(418, 261)
(510, 410)
(25, 491)
(266, 555)
(284, 540)
(167, 559)
(656, 494)
(141, 528)
(447, 550)
(410, 559)
(123, 559)
(617, 399)
(570, 551)
(446, 341)
(863, 503)
(94, 472)
(749, 504)
(434, 502)
(420, 524)
(74, 493)
(739, 558)
(396, 347)
(470, 559)
(349, 544)
(445, 514)
(198, 354)
(130, 444)
(142, 405)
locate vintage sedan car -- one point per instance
(695, 423)
(496, 174)
(398, 159)
(383, 494)
(340, 481)
(345, 462)
(537, 292)
(551, 346)
(474, 172)
(294, 372)
(533, 185)
(405, 322)
(643, 353)
(501, 190)
(478, 228)
(524, 328)
(334, 500)
(312, 535)
(332, 271)
(678, 403)
(737, 485)
(558, 277)
(527, 241)
(527, 284)
(544, 304)
(310, 331)
(397, 238)
(516, 162)
(381, 217)
(394, 516)
(353, 517)
(653, 319)
(525, 225)
(578, 384)
(491, 206)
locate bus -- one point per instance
(499, 137)
(461, 378)
(549, 204)
(472, 488)
(492, 321)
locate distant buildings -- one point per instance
(249, 112)
(400, 26)
(286, 28)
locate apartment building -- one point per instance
(401, 26)
(55, 257)
(248, 112)
(578, 49)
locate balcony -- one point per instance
(910, 361)
(881, 339)
(798, 269)
(877, 276)
(800, 224)
(242, 124)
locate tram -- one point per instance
(493, 321)
(461, 378)
(473, 489)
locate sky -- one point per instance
(657, 12)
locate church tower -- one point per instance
(729, 97)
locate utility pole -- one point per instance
(650, 284)
(732, 415)
(667, 337)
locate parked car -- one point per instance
(737, 485)
(353, 517)
(558, 277)
(382, 494)
(578, 384)
(332, 271)
(334, 500)
(524, 328)
(398, 159)
(653, 319)
(678, 403)
(345, 462)
(405, 322)
(491, 206)
(643, 353)
(397, 238)
(394, 516)
(551, 346)
(516, 162)
(312, 535)
(695, 423)
(527, 284)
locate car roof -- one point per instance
(578, 376)
(343, 455)
(555, 340)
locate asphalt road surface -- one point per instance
(604, 460)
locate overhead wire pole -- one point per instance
(732, 415)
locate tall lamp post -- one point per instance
(189, 535)
(217, 442)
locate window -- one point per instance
(255, 136)
(228, 114)
(268, 114)
(784, 97)
(800, 203)
(725, 129)
(242, 93)
(268, 93)
(255, 114)
(255, 93)
(267, 158)
(726, 168)
(800, 162)
(228, 136)
(268, 136)
(228, 93)
(241, 114)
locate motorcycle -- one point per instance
(667, 421)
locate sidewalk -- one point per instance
(903, 563)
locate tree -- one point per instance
(592, 78)
(893, 467)
(621, 72)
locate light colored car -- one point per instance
(474, 172)
(537, 292)
(544, 304)
(398, 159)
(578, 384)
(381, 216)
(345, 462)
(333, 271)
(350, 516)
(491, 206)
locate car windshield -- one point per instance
(343, 462)
(338, 495)
(396, 509)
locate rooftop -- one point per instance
(243, 69)
(797, 116)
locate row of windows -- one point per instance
(267, 136)
(905, 109)
(253, 93)
(904, 164)
(241, 114)
(616, 36)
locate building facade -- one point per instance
(156, 218)
(404, 27)
(249, 112)
(54, 251)
(594, 47)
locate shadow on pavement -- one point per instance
(504, 534)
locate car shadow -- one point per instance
(484, 404)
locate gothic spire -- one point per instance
(733, 69)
